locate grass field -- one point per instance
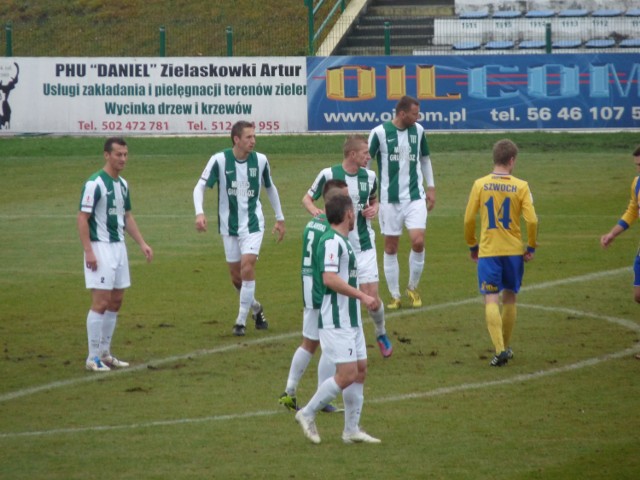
(198, 403)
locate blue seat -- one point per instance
(606, 13)
(630, 43)
(574, 13)
(474, 15)
(540, 14)
(531, 44)
(499, 45)
(632, 12)
(567, 44)
(466, 46)
(507, 14)
(600, 43)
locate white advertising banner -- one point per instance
(152, 96)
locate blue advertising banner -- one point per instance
(477, 92)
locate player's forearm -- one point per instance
(198, 197)
(338, 285)
(274, 199)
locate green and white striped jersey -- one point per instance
(398, 154)
(311, 236)
(107, 200)
(362, 186)
(239, 185)
(335, 254)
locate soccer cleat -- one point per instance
(96, 365)
(385, 346)
(261, 320)
(238, 330)
(359, 437)
(308, 427)
(396, 304)
(414, 298)
(509, 353)
(331, 408)
(500, 360)
(112, 362)
(289, 402)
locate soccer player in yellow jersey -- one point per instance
(628, 217)
(501, 200)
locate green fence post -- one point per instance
(309, 5)
(343, 5)
(547, 37)
(387, 38)
(163, 42)
(9, 39)
(229, 41)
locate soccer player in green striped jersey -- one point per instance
(341, 335)
(628, 218)
(402, 154)
(240, 173)
(363, 189)
(311, 299)
(501, 200)
(103, 218)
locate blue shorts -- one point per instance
(499, 273)
(636, 270)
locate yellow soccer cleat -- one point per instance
(395, 304)
(414, 298)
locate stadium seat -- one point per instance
(574, 13)
(507, 14)
(632, 12)
(630, 43)
(567, 44)
(600, 43)
(540, 14)
(531, 44)
(499, 45)
(466, 46)
(474, 15)
(606, 13)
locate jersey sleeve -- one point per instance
(211, 172)
(315, 191)
(631, 213)
(91, 193)
(267, 181)
(329, 255)
(374, 143)
(424, 145)
(530, 218)
(473, 205)
(127, 196)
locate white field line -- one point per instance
(432, 393)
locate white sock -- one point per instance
(416, 265)
(378, 319)
(108, 327)
(326, 393)
(326, 369)
(353, 397)
(255, 305)
(247, 292)
(392, 274)
(299, 364)
(94, 332)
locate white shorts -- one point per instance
(310, 324)
(392, 216)
(113, 267)
(235, 247)
(367, 266)
(343, 345)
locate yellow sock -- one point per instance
(494, 325)
(509, 313)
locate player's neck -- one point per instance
(341, 228)
(501, 170)
(350, 167)
(240, 155)
(111, 172)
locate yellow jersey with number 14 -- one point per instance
(501, 200)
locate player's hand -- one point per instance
(431, 198)
(528, 256)
(606, 240)
(279, 229)
(148, 252)
(370, 211)
(90, 261)
(201, 223)
(473, 254)
(369, 302)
